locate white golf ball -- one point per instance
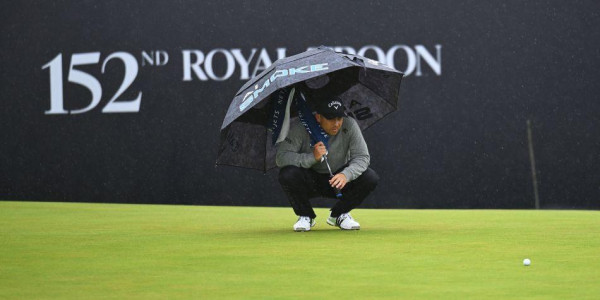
(526, 262)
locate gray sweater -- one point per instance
(348, 146)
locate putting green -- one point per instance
(73, 250)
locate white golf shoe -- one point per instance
(344, 221)
(304, 224)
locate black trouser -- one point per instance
(301, 184)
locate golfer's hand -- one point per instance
(338, 181)
(319, 150)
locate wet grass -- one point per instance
(73, 250)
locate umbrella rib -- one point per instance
(392, 104)
(377, 121)
(299, 58)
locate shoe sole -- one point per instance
(304, 229)
(333, 224)
(353, 228)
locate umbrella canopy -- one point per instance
(368, 89)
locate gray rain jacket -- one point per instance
(346, 147)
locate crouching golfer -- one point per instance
(303, 175)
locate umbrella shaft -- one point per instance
(327, 163)
(338, 192)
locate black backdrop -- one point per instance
(459, 139)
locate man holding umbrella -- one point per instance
(305, 171)
(322, 155)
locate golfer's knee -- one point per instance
(289, 175)
(370, 178)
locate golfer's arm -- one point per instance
(359, 156)
(289, 154)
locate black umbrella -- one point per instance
(368, 89)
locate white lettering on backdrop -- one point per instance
(217, 65)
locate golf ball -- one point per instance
(526, 262)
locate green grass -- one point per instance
(62, 250)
